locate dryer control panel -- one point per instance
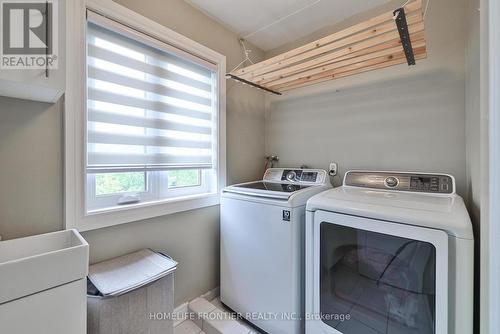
(413, 182)
(307, 176)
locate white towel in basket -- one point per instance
(128, 272)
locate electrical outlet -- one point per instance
(332, 171)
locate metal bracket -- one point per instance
(404, 34)
(234, 77)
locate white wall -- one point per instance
(31, 172)
(473, 134)
(472, 110)
(31, 179)
(398, 118)
(486, 312)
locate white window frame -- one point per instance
(157, 190)
(75, 118)
(96, 202)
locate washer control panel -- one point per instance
(309, 176)
(414, 182)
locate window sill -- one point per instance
(140, 211)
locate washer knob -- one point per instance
(391, 182)
(291, 176)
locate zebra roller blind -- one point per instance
(148, 107)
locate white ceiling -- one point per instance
(248, 16)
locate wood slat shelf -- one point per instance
(389, 39)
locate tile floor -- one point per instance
(217, 323)
(187, 327)
(220, 306)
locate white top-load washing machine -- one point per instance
(389, 253)
(262, 247)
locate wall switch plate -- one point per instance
(332, 171)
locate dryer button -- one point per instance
(391, 182)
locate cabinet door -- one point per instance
(60, 310)
(39, 84)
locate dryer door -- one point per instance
(375, 277)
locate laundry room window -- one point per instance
(153, 118)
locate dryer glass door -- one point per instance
(382, 282)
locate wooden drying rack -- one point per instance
(386, 40)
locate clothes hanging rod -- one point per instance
(234, 77)
(404, 34)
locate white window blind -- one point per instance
(148, 108)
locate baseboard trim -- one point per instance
(181, 312)
(212, 294)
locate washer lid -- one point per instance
(280, 191)
(263, 188)
(443, 212)
(285, 184)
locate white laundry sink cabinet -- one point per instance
(43, 284)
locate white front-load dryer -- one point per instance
(389, 253)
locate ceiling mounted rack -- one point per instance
(389, 39)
